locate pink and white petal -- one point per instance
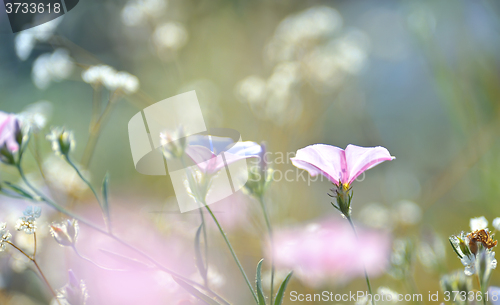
(322, 159)
(360, 159)
(201, 156)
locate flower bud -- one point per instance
(65, 233)
(63, 141)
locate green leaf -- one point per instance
(281, 292)
(455, 249)
(197, 251)
(195, 292)
(105, 192)
(19, 190)
(260, 291)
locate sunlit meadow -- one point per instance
(369, 131)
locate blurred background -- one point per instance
(420, 78)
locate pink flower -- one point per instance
(328, 251)
(9, 128)
(211, 160)
(337, 164)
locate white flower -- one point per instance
(135, 12)
(170, 35)
(469, 261)
(478, 223)
(36, 115)
(27, 222)
(496, 223)
(98, 74)
(252, 90)
(6, 236)
(112, 80)
(51, 67)
(388, 294)
(124, 81)
(26, 40)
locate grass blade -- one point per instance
(258, 280)
(281, 292)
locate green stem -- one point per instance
(87, 182)
(204, 229)
(271, 241)
(364, 268)
(228, 243)
(114, 237)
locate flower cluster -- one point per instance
(5, 235)
(27, 223)
(26, 40)
(111, 79)
(307, 47)
(49, 67)
(475, 248)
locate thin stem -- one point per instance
(203, 226)
(94, 263)
(271, 241)
(114, 237)
(47, 282)
(87, 182)
(228, 243)
(38, 268)
(95, 132)
(34, 240)
(364, 268)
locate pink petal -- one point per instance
(322, 159)
(7, 131)
(360, 159)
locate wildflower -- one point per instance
(36, 115)
(51, 67)
(474, 251)
(496, 223)
(111, 79)
(98, 75)
(340, 166)
(210, 155)
(63, 141)
(170, 36)
(26, 40)
(123, 81)
(478, 223)
(27, 222)
(6, 236)
(136, 12)
(74, 293)
(10, 137)
(65, 233)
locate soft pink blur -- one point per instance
(9, 124)
(328, 252)
(339, 165)
(137, 285)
